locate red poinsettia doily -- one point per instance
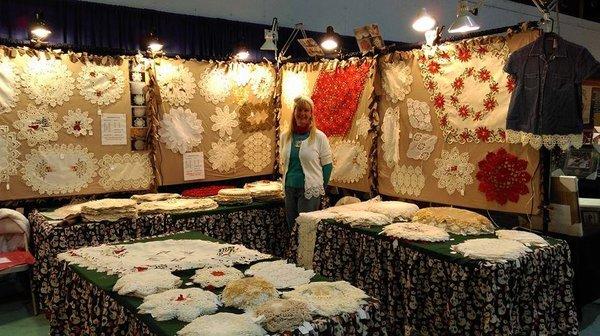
(336, 97)
(503, 177)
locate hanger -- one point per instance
(546, 22)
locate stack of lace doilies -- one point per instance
(453, 220)
(177, 205)
(329, 298)
(154, 197)
(416, 231)
(222, 324)
(233, 196)
(492, 249)
(265, 191)
(281, 274)
(109, 209)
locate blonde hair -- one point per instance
(299, 102)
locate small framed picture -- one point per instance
(582, 163)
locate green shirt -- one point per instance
(295, 176)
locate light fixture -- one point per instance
(154, 43)
(465, 18)
(241, 52)
(39, 30)
(271, 37)
(423, 22)
(330, 40)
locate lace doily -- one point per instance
(281, 274)
(101, 84)
(78, 123)
(503, 177)
(240, 73)
(396, 210)
(363, 218)
(108, 209)
(182, 304)
(37, 125)
(408, 180)
(177, 84)
(349, 161)
(216, 277)
(224, 121)
(293, 84)
(416, 231)
(262, 82)
(280, 315)
(390, 136)
(10, 83)
(418, 115)
(9, 154)
(329, 298)
(256, 117)
(181, 130)
(547, 140)
(362, 126)
(453, 171)
(248, 293)
(492, 249)
(154, 197)
(223, 155)
(47, 81)
(66, 211)
(453, 220)
(527, 238)
(222, 324)
(146, 282)
(421, 145)
(214, 85)
(59, 169)
(307, 234)
(178, 205)
(264, 188)
(257, 152)
(129, 171)
(396, 80)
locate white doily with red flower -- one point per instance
(396, 80)
(408, 180)
(262, 82)
(77, 122)
(47, 81)
(146, 282)
(418, 115)
(453, 171)
(181, 304)
(223, 155)
(37, 125)
(100, 84)
(349, 161)
(177, 84)
(10, 83)
(216, 277)
(390, 136)
(215, 85)
(421, 145)
(180, 130)
(9, 154)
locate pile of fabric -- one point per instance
(177, 205)
(233, 196)
(154, 197)
(109, 209)
(265, 191)
(453, 220)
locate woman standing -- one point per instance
(306, 161)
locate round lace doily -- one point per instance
(281, 274)
(182, 304)
(257, 152)
(78, 123)
(177, 84)
(527, 238)
(262, 82)
(216, 277)
(248, 293)
(101, 84)
(37, 125)
(222, 324)
(223, 155)
(279, 315)
(10, 83)
(214, 85)
(453, 171)
(47, 81)
(329, 298)
(224, 120)
(144, 283)
(416, 231)
(9, 154)
(453, 220)
(492, 249)
(181, 130)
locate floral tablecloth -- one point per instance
(259, 226)
(424, 289)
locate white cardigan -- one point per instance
(313, 156)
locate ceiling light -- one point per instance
(39, 30)
(241, 52)
(424, 22)
(154, 43)
(330, 40)
(271, 37)
(465, 19)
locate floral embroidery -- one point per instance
(337, 95)
(224, 121)
(176, 83)
(256, 117)
(48, 81)
(130, 171)
(78, 123)
(9, 154)
(421, 146)
(37, 125)
(257, 152)
(503, 177)
(181, 130)
(453, 171)
(362, 126)
(214, 85)
(408, 180)
(349, 161)
(10, 82)
(390, 136)
(101, 85)
(396, 80)
(262, 82)
(223, 155)
(293, 84)
(418, 115)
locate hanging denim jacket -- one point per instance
(545, 108)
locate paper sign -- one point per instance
(368, 38)
(114, 129)
(312, 48)
(193, 166)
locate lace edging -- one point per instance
(547, 140)
(313, 192)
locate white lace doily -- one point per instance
(59, 169)
(453, 171)
(129, 171)
(10, 83)
(78, 123)
(307, 234)
(37, 125)
(280, 315)
(396, 210)
(262, 82)
(390, 136)
(222, 324)
(293, 84)
(47, 81)
(108, 204)
(214, 85)
(329, 298)
(239, 73)
(248, 293)
(363, 218)
(101, 84)
(181, 130)
(177, 84)
(146, 282)
(223, 155)
(416, 231)
(362, 126)
(418, 115)
(9, 154)
(453, 220)
(396, 80)
(182, 304)
(492, 249)
(527, 238)
(178, 205)
(349, 161)
(408, 180)
(421, 145)
(224, 121)
(281, 274)
(257, 152)
(216, 277)
(152, 197)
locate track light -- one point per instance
(330, 40)
(465, 19)
(39, 30)
(154, 44)
(423, 22)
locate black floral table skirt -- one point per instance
(424, 293)
(260, 227)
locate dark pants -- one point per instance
(295, 203)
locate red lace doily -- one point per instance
(336, 97)
(503, 177)
(204, 191)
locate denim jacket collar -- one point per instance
(537, 48)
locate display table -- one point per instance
(259, 226)
(425, 289)
(88, 306)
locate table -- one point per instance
(89, 306)
(259, 226)
(425, 289)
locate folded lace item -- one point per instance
(416, 231)
(109, 209)
(360, 218)
(281, 315)
(492, 249)
(146, 282)
(235, 200)
(396, 210)
(248, 293)
(265, 190)
(177, 205)
(223, 324)
(216, 277)
(453, 220)
(153, 197)
(329, 298)
(307, 234)
(527, 238)
(281, 274)
(182, 304)
(234, 192)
